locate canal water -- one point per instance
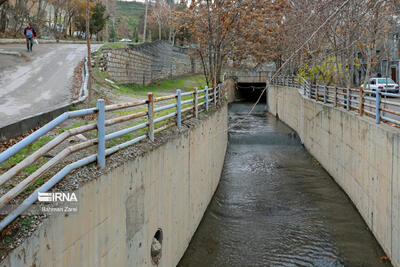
(276, 206)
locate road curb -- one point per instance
(11, 53)
(45, 41)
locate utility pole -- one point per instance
(89, 55)
(145, 21)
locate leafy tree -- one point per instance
(98, 18)
(112, 34)
(135, 34)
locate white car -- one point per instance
(383, 84)
(126, 40)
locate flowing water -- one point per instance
(276, 206)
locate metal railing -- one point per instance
(183, 105)
(381, 105)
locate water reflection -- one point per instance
(275, 206)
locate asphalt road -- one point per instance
(37, 82)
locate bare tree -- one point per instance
(88, 52)
(235, 30)
(145, 20)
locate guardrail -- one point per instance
(184, 105)
(375, 104)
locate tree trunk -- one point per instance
(170, 27)
(145, 21)
(39, 11)
(210, 31)
(89, 55)
(204, 68)
(49, 19)
(173, 37)
(369, 63)
(3, 17)
(55, 19)
(108, 13)
(70, 27)
(159, 30)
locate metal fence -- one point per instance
(184, 105)
(383, 106)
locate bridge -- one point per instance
(301, 190)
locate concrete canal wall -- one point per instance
(362, 156)
(166, 188)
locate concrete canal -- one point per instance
(276, 206)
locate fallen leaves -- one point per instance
(13, 141)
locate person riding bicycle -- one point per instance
(29, 33)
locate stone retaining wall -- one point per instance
(147, 62)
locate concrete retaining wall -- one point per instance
(166, 188)
(26, 124)
(362, 156)
(147, 62)
(231, 92)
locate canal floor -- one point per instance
(276, 206)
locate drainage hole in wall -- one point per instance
(156, 247)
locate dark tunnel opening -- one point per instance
(250, 92)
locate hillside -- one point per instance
(127, 17)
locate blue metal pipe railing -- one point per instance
(166, 117)
(186, 94)
(101, 123)
(58, 177)
(187, 101)
(352, 99)
(125, 131)
(164, 107)
(42, 131)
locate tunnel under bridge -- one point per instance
(249, 85)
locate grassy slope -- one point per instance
(185, 83)
(129, 12)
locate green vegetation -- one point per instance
(27, 221)
(73, 108)
(24, 152)
(326, 72)
(37, 183)
(114, 45)
(9, 239)
(111, 45)
(130, 11)
(127, 18)
(75, 125)
(185, 84)
(98, 19)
